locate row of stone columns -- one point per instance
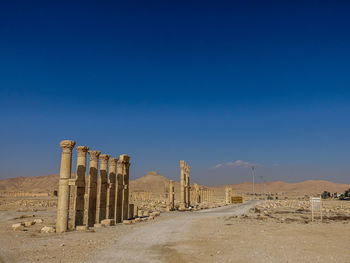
(103, 197)
(185, 186)
(205, 195)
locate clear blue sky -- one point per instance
(210, 82)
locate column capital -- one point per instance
(113, 161)
(120, 163)
(104, 158)
(67, 146)
(125, 158)
(94, 155)
(82, 150)
(182, 164)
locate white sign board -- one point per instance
(316, 206)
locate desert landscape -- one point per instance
(174, 131)
(258, 230)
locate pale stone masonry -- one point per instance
(63, 187)
(185, 187)
(102, 189)
(91, 195)
(227, 195)
(131, 211)
(111, 191)
(125, 204)
(79, 187)
(182, 185)
(171, 195)
(188, 187)
(101, 198)
(119, 193)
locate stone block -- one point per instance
(18, 227)
(29, 223)
(140, 213)
(108, 222)
(127, 222)
(38, 220)
(47, 229)
(82, 228)
(98, 225)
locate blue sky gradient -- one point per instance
(210, 82)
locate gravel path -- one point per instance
(165, 240)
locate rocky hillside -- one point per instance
(157, 183)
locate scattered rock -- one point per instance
(127, 222)
(18, 227)
(82, 228)
(29, 223)
(47, 229)
(38, 220)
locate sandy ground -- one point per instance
(218, 235)
(235, 233)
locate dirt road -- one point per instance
(173, 240)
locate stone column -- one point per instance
(91, 195)
(111, 187)
(185, 184)
(119, 193)
(79, 187)
(188, 187)
(126, 164)
(227, 195)
(131, 211)
(182, 185)
(196, 193)
(171, 195)
(102, 185)
(63, 186)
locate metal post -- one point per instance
(253, 181)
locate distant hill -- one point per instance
(152, 182)
(39, 184)
(157, 183)
(310, 186)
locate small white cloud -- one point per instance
(238, 163)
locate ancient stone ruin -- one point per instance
(101, 198)
(185, 186)
(171, 196)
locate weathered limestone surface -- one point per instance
(79, 187)
(119, 193)
(125, 204)
(182, 185)
(185, 187)
(99, 200)
(111, 198)
(102, 185)
(136, 211)
(91, 195)
(131, 211)
(227, 195)
(188, 186)
(171, 195)
(63, 188)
